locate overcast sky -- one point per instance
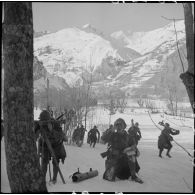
(108, 17)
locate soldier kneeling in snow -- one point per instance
(121, 156)
(56, 137)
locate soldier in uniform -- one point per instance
(75, 136)
(165, 138)
(82, 132)
(56, 137)
(121, 158)
(92, 136)
(106, 135)
(78, 135)
(134, 131)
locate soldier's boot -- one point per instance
(55, 173)
(134, 177)
(137, 179)
(109, 173)
(168, 153)
(160, 153)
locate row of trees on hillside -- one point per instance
(172, 103)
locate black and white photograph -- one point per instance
(97, 97)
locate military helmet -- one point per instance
(120, 121)
(167, 125)
(45, 115)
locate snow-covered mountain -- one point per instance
(144, 42)
(73, 52)
(128, 60)
(159, 52)
(40, 75)
(125, 52)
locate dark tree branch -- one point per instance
(177, 42)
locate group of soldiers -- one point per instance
(122, 149)
(50, 138)
(93, 136)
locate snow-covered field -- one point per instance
(159, 175)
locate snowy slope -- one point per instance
(74, 53)
(157, 47)
(40, 75)
(74, 48)
(144, 42)
(126, 53)
(121, 36)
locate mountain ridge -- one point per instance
(75, 53)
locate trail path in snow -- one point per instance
(159, 175)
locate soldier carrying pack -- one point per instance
(165, 138)
(51, 138)
(121, 159)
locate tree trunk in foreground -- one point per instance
(188, 76)
(23, 169)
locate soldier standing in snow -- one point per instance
(92, 136)
(134, 131)
(121, 158)
(75, 135)
(78, 135)
(165, 138)
(82, 132)
(56, 137)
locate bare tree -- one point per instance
(121, 104)
(188, 76)
(80, 101)
(172, 88)
(150, 105)
(23, 168)
(140, 102)
(77, 103)
(88, 89)
(111, 106)
(173, 99)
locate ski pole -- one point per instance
(183, 149)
